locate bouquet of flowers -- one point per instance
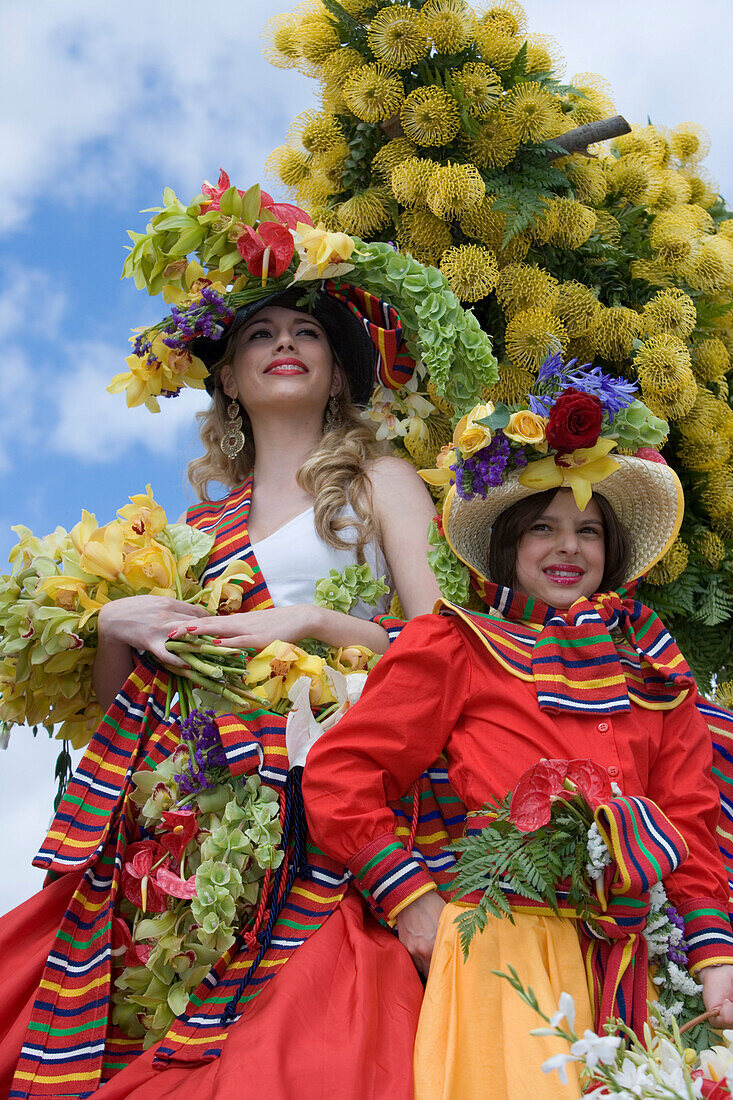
(544, 833)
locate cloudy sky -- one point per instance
(105, 104)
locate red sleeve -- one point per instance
(681, 783)
(412, 700)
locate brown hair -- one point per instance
(333, 473)
(509, 527)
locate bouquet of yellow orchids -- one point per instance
(50, 601)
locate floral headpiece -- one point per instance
(230, 248)
(574, 419)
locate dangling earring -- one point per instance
(333, 413)
(233, 439)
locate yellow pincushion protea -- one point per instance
(704, 190)
(374, 93)
(689, 142)
(534, 112)
(289, 165)
(523, 286)
(494, 143)
(317, 131)
(635, 177)
(316, 36)
(365, 213)
(340, 64)
(483, 223)
(397, 36)
(544, 55)
(608, 228)
(390, 155)
(569, 223)
(577, 307)
(643, 141)
(424, 236)
(281, 42)
(709, 267)
(712, 548)
(717, 497)
(506, 16)
(410, 181)
(430, 116)
(588, 179)
(651, 271)
(671, 566)
(613, 332)
(512, 386)
(497, 48)
(725, 229)
(710, 359)
(471, 270)
(533, 335)
(591, 102)
(665, 376)
(454, 188)
(329, 167)
(673, 189)
(481, 86)
(672, 311)
(449, 24)
(707, 451)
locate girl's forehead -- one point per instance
(278, 314)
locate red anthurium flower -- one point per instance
(137, 885)
(713, 1090)
(285, 212)
(592, 781)
(135, 954)
(183, 826)
(533, 795)
(174, 886)
(268, 251)
(651, 454)
(215, 193)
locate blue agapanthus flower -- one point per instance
(554, 376)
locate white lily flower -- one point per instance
(558, 1062)
(594, 1048)
(565, 1008)
(301, 729)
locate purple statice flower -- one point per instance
(678, 953)
(487, 468)
(206, 754)
(613, 393)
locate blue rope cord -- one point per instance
(294, 828)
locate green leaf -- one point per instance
(231, 204)
(189, 540)
(498, 419)
(251, 203)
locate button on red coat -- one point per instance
(613, 770)
(603, 727)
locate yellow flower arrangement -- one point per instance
(577, 307)
(671, 566)
(387, 158)
(424, 236)
(689, 142)
(494, 143)
(374, 93)
(481, 86)
(397, 36)
(507, 16)
(665, 375)
(365, 212)
(670, 310)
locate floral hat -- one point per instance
(576, 416)
(231, 251)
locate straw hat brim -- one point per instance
(646, 497)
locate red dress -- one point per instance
(334, 1018)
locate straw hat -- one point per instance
(646, 497)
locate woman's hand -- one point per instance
(146, 623)
(717, 992)
(256, 629)
(417, 926)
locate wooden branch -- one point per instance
(578, 140)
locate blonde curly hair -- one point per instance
(334, 473)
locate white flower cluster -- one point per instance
(660, 934)
(400, 412)
(599, 856)
(681, 982)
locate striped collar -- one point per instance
(594, 657)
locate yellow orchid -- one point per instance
(102, 553)
(274, 670)
(442, 474)
(224, 595)
(93, 604)
(578, 471)
(469, 436)
(145, 518)
(528, 428)
(80, 729)
(353, 658)
(161, 370)
(320, 251)
(151, 568)
(195, 278)
(64, 591)
(83, 530)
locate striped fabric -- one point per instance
(71, 1045)
(720, 724)
(394, 366)
(572, 657)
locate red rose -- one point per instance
(575, 421)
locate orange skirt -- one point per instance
(473, 1040)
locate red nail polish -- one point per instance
(172, 633)
(217, 641)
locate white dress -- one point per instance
(294, 558)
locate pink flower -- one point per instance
(215, 193)
(174, 886)
(137, 885)
(183, 825)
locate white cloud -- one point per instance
(103, 93)
(95, 426)
(29, 302)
